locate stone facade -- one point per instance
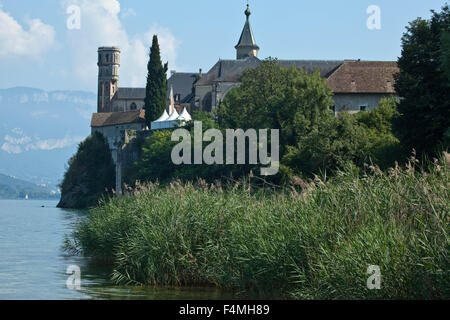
(356, 102)
(108, 77)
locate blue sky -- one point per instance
(38, 50)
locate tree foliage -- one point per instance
(273, 97)
(423, 84)
(156, 89)
(91, 174)
(156, 163)
(312, 139)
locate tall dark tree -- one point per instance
(156, 90)
(445, 55)
(91, 174)
(423, 85)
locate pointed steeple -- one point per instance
(172, 102)
(246, 46)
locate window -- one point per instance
(133, 106)
(363, 107)
(107, 58)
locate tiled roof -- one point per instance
(182, 83)
(247, 38)
(364, 77)
(231, 70)
(342, 76)
(115, 118)
(326, 67)
(130, 93)
(228, 70)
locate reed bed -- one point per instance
(314, 240)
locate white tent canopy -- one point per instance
(174, 116)
(166, 121)
(184, 116)
(163, 117)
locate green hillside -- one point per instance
(12, 188)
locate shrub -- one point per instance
(314, 244)
(90, 175)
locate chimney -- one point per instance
(200, 72)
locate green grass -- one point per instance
(311, 244)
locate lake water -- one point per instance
(33, 264)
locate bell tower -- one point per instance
(108, 77)
(246, 46)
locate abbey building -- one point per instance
(357, 85)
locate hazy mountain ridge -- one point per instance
(13, 188)
(40, 131)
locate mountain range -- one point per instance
(40, 131)
(12, 188)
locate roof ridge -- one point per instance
(131, 88)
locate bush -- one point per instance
(91, 174)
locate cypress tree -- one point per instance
(156, 89)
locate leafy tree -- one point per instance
(445, 55)
(332, 145)
(155, 163)
(349, 139)
(90, 175)
(156, 89)
(273, 97)
(312, 139)
(384, 148)
(423, 85)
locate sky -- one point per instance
(41, 45)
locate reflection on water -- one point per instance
(33, 264)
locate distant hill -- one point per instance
(12, 188)
(40, 131)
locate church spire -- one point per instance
(246, 46)
(172, 101)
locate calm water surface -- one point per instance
(33, 264)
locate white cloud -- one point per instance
(101, 26)
(50, 144)
(17, 131)
(20, 143)
(17, 141)
(16, 41)
(11, 149)
(129, 12)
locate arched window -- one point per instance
(133, 106)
